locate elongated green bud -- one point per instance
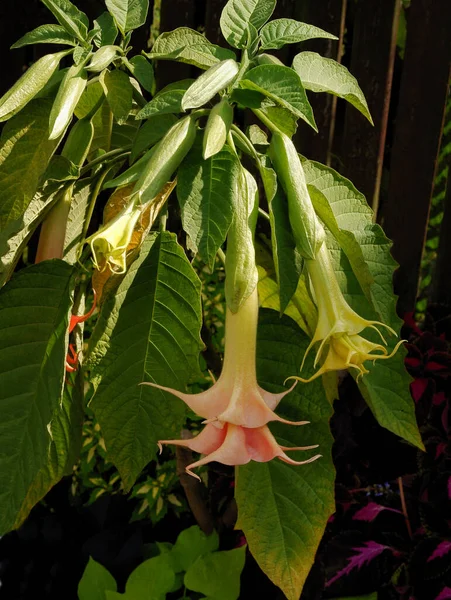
(31, 82)
(308, 231)
(103, 58)
(69, 93)
(241, 269)
(218, 126)
(166, 158)
(217, 78)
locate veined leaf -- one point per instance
(281, 117)
(168, 101)
(128, 14)
(24, 148)
(147, 331)
(69, 93)
(46, 34)
(279, 32)
(106, 30)
(217, 574)
(34, 309)
(142, 70)
(236, 16)
(188, 46)
(320, 74)
(386, 386)
(119, 93)
(283, 510)
(67, 14)
(278, 84)
(206, 192)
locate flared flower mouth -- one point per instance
(339, 328)
(234, 445)
(109, 244)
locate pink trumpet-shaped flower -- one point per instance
(235, 445)
(236, 397)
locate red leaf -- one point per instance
(371, 510)
(365, 554)
(442, 549)
(418, 387)
(445, 594)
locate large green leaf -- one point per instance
(217, 575)
(106, 30)
(24, 148)
(387, 386)
(95, 582)
(46, 34)
(206, 191)
(153, 578)
(239, 14)
(280, 86)
(283, 510)
(119, 93)
(321, 74)
(190, 545)
(34, 310)
(279, 32)
(67, 14)
(128, 14)
(147, 331)
(188, 46)
(168, 101)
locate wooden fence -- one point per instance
(394, 162)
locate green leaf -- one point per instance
(69, 93)
(386, 387)
(281, 118)
(106, 30)
(142, 70)
(236, 16)
(76, 219)
(73, 20)
(119, 93)
(320, 74)
(24, 148)
(90, 101)
(147, 331)
(283, 510)
(217, 575)
(168, 101)
(95, 582)
(278, 84)
(154, 578)
(128, 14)
(153, 130)
(279, 32)
(206, 193)
(133, 173)
(46, 34)
(190, 545)
(287, 261)
(188, 46)
(15, 236)
(34, 309)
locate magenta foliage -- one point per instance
(442, 549)
(445, 594)
(371, 510)
(365, 554)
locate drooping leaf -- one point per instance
(46, 34)
(320, 74)
(386, 387)
(279, 32)
(67, 98)
(236, 16)
(142, 70)
(34, 309)
(217, 575)
(90, 100)
(188, 46)
(128, 14)
(169, 100)
(190, 545)
(24, 148)
(150, 133)
(206, 192)
(95, 582)
(153, 578)
(76, 219)
(106, 30)
(119, 93)
(279, 85)
(283, 510)
(67, 14)
(147, 331)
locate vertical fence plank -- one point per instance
(212, 15)
(419, 124)
(441, 287)
(330, 16)
(372, 60)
